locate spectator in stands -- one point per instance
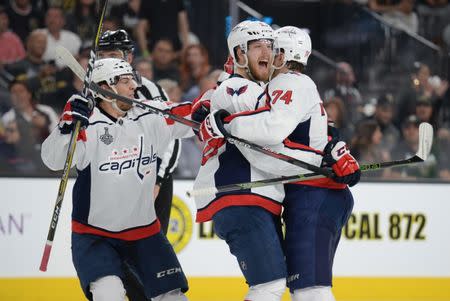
(23, 17)
(154, 25)
(384, 113)
(31, 65)
(172, 88)
(337, 113)
(127, 14)
(407, 147)
(5, 99)
(194, 67)
(366, 147)
(57, 36)
(164, 64)
(346, 90)
(397, 13)
(11, 47)
(210, 81)
(56, 98)
(422, 85)
(144, 67)
(425, 111)
(41, 118)
(110, 24)
(18, 151)
(83, 21)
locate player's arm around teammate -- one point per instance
(314, 211)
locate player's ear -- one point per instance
(240, 55)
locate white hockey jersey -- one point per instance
(116, 163)
(294, 123)
(224, 164)
(169, 160)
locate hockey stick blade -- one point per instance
(425, 140)
(424, 147)
(65, 57)
(71, 62)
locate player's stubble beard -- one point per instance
(258, 72)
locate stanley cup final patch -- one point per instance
(106, 138)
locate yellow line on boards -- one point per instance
(234, 289)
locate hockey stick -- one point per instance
(72, 63)
(424, 148)
(71, 150)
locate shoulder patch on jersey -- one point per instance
(238, 92)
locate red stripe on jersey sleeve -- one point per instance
(294, 145)
(246, 113)
(129, 235)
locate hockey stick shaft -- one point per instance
(290, 179)
(70, 152)
(424, 147)
(78, 70)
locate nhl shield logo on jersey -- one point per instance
(180, 225)
(106, 138)
(238, 92)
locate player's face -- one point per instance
(260, 57)
(126, 85)
(117, 54)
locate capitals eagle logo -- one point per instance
(238, 92)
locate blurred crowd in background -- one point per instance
(377, 94)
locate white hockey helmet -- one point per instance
(295, 43)
(109, 70)
(245, 32)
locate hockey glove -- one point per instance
(77, 108)
(333, 132)
(200, 109)
(212, 127)
(344, 165)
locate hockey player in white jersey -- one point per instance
(249, 221)
(296, 124)
(113, 217)
(117, 44)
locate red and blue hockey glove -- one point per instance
(344, 165)
(77, 108)
(212, 127)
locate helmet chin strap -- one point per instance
(114, 102)
(273, 68)
(246, 67)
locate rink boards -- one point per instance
(396, 245)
